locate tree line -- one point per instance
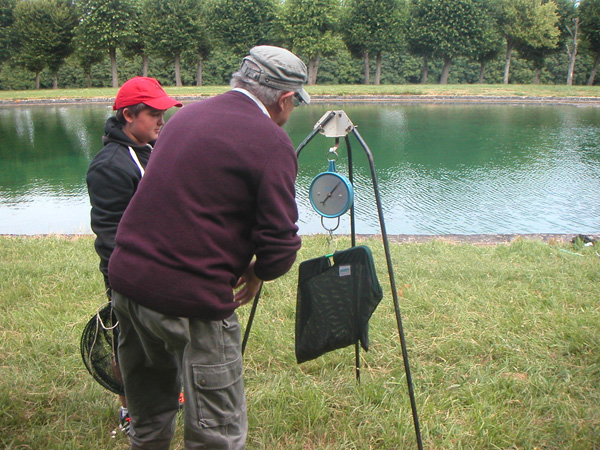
(90, 42)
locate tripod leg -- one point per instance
(394, 291)
(250, 319)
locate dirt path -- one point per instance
(406, 99)
(475, 239)
(484, 239)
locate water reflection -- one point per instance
(441, 168)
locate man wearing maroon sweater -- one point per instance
(215, 211)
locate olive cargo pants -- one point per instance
(157, 352)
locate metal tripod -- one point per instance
(337, 124)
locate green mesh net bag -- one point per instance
(99, 347)
(335, 302)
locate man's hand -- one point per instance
(249, 283)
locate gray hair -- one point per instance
(269, 96)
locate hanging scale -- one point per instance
(330, 193)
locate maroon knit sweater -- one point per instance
(219, 189)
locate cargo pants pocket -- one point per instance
(219, 393)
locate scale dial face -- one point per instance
(331, 194)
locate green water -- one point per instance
(441, 168)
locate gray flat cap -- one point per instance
(277, 68)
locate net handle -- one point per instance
(100, 317)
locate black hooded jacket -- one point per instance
(112, 179)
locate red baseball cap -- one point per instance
(144, 90)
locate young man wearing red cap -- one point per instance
(115, 172)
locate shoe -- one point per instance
(124, 420)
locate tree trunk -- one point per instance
(536, 78)
(366, 68)
(425, 71)
(573, 52)
(37, 80)
(509, 47)
(481, 72)
(113, 64)
(445, 71)
(199, 71)
(54, 80)
(88, 78)
(378, 69)
(313, 68)
(594, 70)
(178, 70)
(144, 65)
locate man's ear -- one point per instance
(128, 115)
(284, 98)
(277, 109)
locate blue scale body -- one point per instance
(339, 186)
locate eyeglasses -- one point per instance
(297, 100)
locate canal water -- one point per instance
(441, 168)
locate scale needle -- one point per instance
(331, 193)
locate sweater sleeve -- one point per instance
(275, 235)
(110, 189)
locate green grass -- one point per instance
(503, 341)
(510, 90)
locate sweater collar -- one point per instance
(255, 99)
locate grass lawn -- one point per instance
(503, 343)
(510, 90)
